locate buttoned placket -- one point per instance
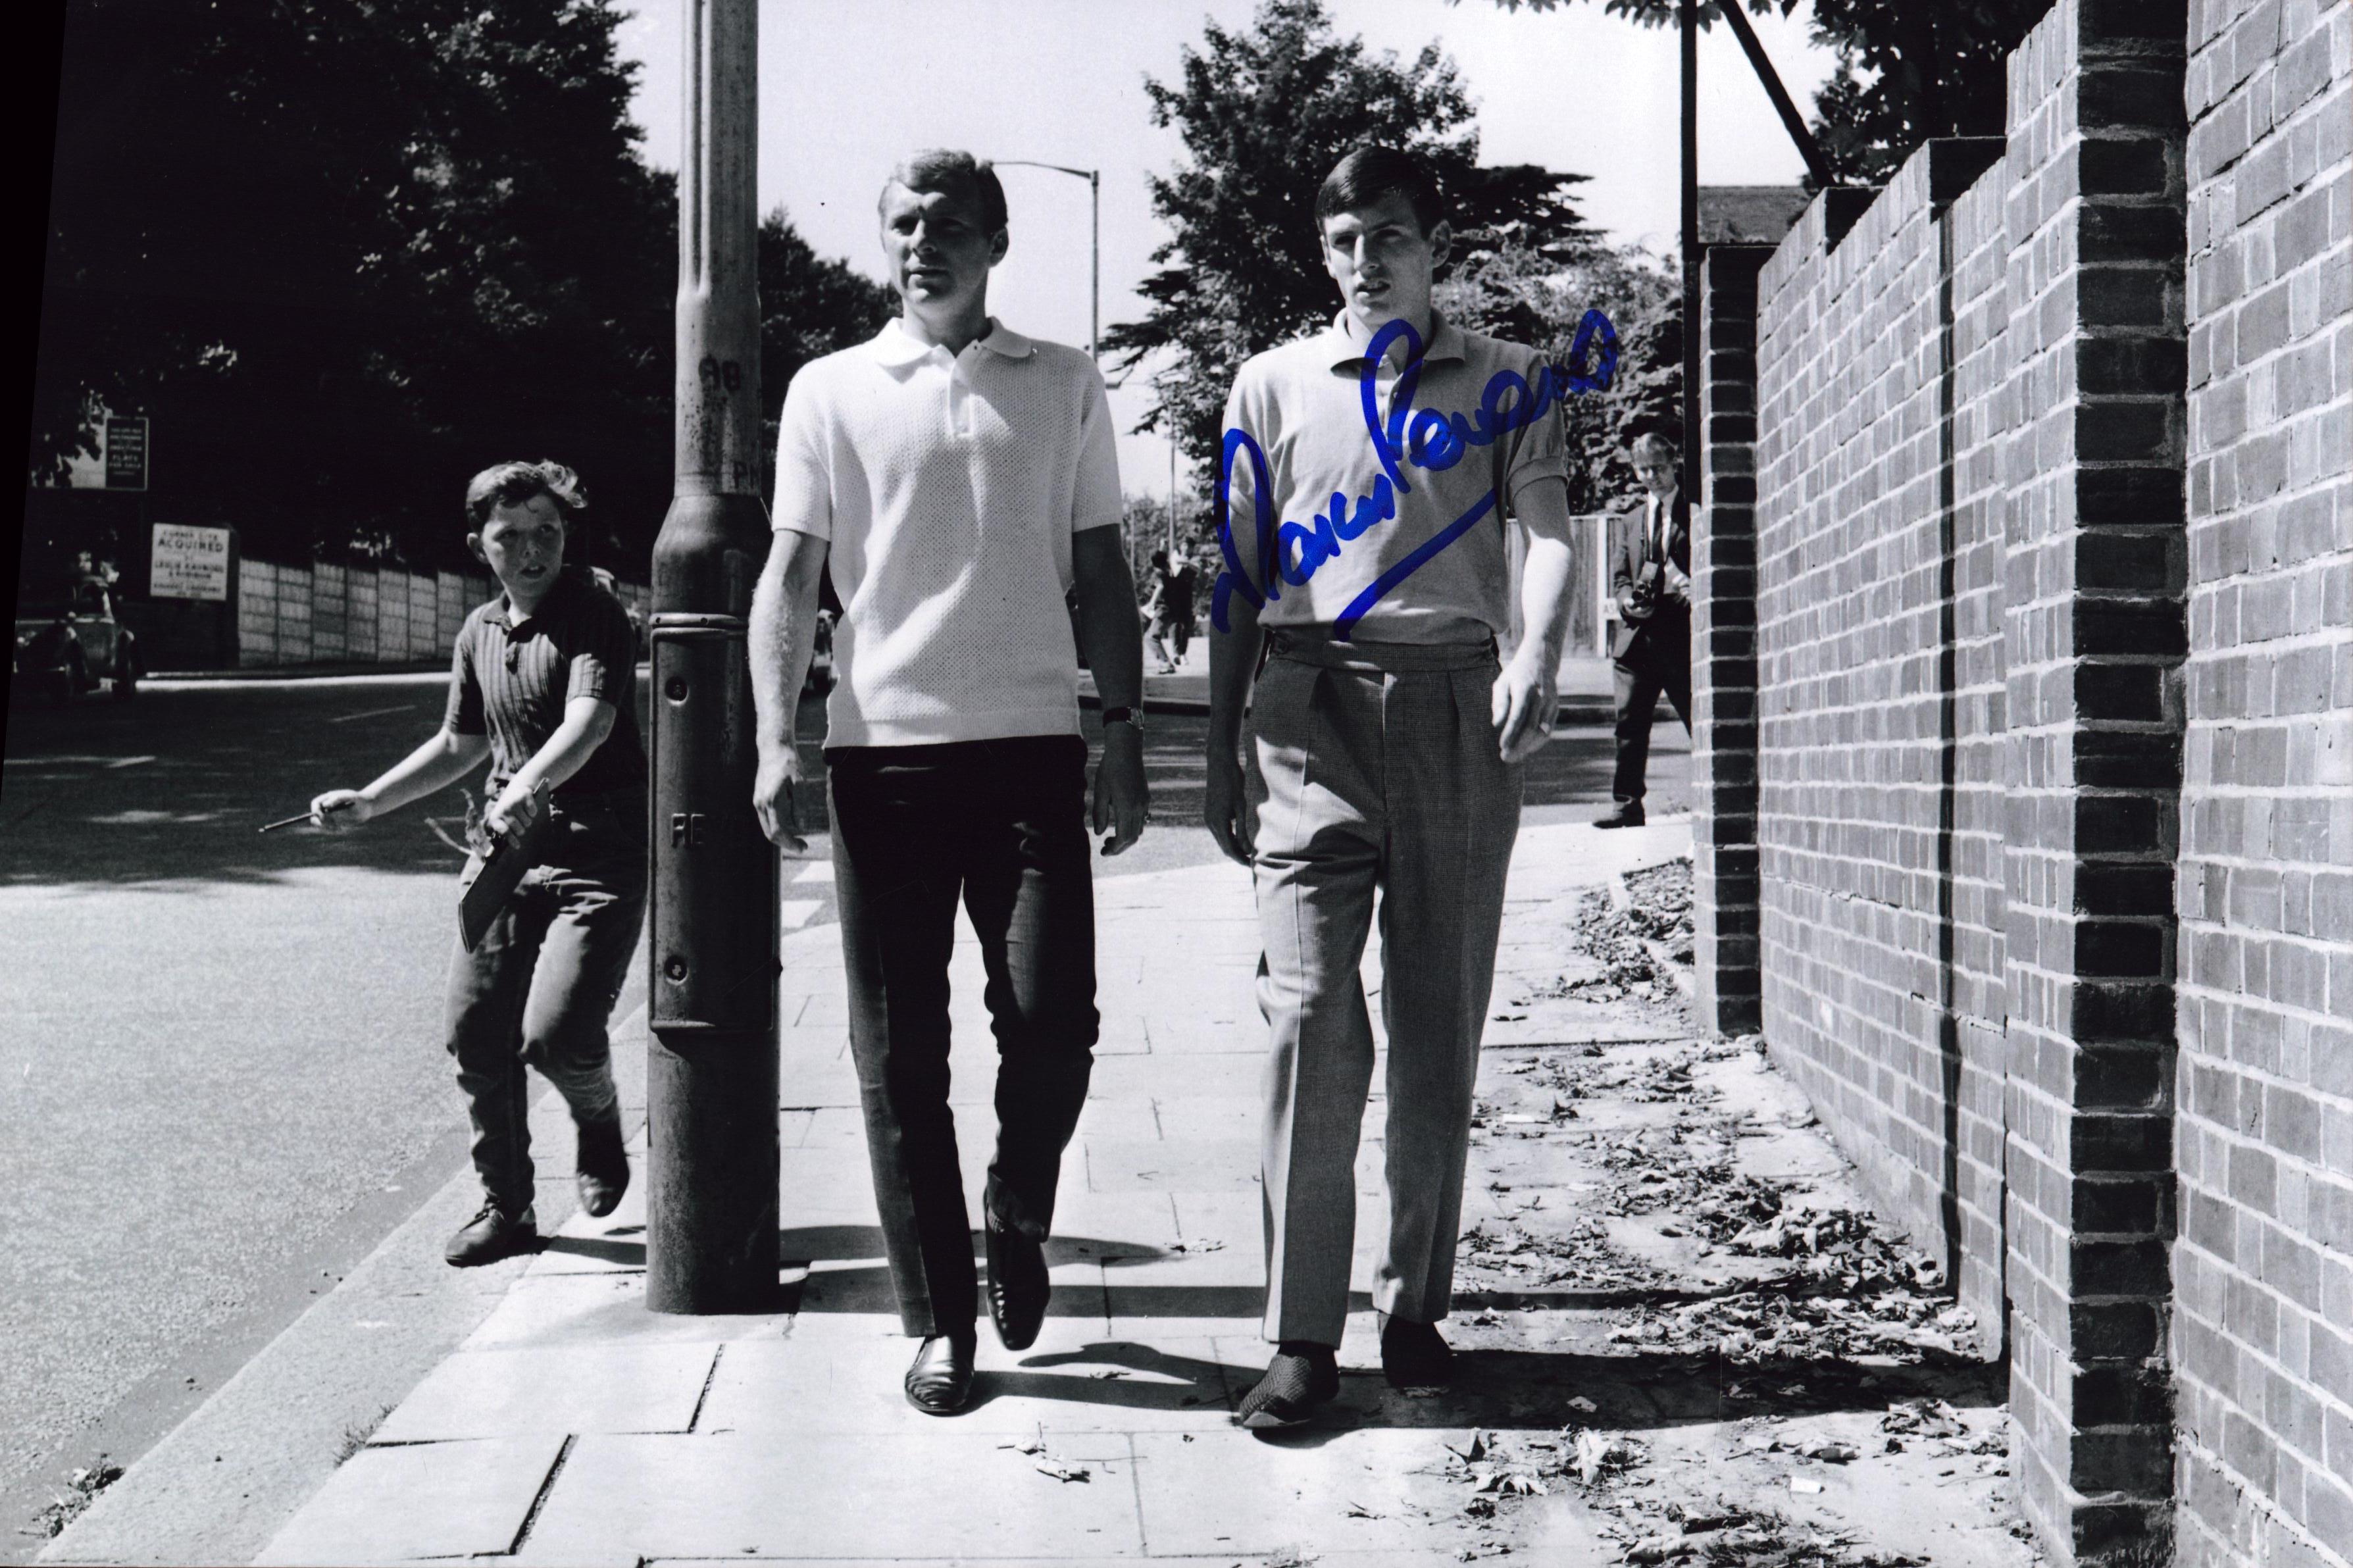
(960, 368)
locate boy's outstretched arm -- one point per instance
(440, 762)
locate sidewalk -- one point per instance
(575, 1427)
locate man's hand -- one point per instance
(772, 792)
(1122, 798)
(1525, 700)
(1678, 584)
(1226, 808)
(341, 808)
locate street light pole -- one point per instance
(711, 1067)
(1093, 177)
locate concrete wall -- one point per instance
(2263, 1323)
(343, 615)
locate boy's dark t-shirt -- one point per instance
(510, 679)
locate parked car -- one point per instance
(65, 649)
(821, 670)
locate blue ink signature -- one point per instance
(1423, 438)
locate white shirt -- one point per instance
(948, 486)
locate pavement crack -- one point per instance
(710, 1376)
(531, 1515)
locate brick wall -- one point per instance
(2263, 1328)
(1969, 627)
(1881, 924)
(1723, 647)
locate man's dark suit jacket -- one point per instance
(1667, 632)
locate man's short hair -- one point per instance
(936, 168)
(1653, 445)
(511, 484)
(1369, 172)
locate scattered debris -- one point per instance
(82, 1487)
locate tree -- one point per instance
(1519, 294)
(1907, 69)
(1264, 113)
(345, 253)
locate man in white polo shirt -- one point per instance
(959, 477)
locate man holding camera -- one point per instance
(1650, 580)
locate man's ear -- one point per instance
(474, 543)
(1441, 243)
(998, 244)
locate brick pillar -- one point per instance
(2094, 639)
(1724, 644)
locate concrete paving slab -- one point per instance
(514, 1393)
(430, 1499)
(1076, 1378)
(593, 1308)
(826, 1494)
(1231, 1491)
(1161, 1166)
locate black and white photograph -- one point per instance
(1256, 783)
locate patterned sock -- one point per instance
(1302, 1375)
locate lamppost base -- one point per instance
(710, 1174)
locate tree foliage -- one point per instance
(1264, 112)
(1907, 69)
(1518, 294)
(343, 253)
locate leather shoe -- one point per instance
(939, 1380)
(1301, 1377)
(1018, 1287)
(603, 1167)
(492, 1234)
(1414, 1356)
(1624, 817)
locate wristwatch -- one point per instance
(1124, 716)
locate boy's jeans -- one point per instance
(539, 988)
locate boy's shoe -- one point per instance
(1301, 1376)
(603, 1167)
(492, 1234)
(1414, 1356)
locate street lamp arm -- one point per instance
(1093, 177)
(1027, 163)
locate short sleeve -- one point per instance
(1240, 481)
(605, 661)
(804, 489)
(1095, 500)
(1538, 450)
(463, 715)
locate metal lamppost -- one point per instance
(1093, 177)
(711, 1070)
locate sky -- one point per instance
(846, 90)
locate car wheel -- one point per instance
(125, 684)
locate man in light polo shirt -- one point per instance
(959, 477)
(1368, 471)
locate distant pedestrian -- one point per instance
(1391, 739)
(1170, 607)
(543, 683)
(960, 478)
(1649, 578)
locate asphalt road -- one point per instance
(220, 1053)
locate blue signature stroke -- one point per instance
(1418, 439)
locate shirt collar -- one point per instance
(897, 348)
(501, 613)
(1346, 348)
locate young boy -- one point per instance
(542, 683)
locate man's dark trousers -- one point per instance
(539, 988)
(1001, 825)
(1657, 661)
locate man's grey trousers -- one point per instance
(1381, 771)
